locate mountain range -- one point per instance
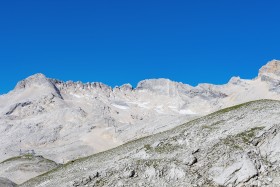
(51, 122)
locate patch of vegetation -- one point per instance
(237, 107)
(217, 123)
(163, 148)
(11, 159)
(266, 161)
(209, 127)
(213, 125)
(231, 143)
(245, 137)
(100, 182)
(26, 156)
(148, 163)
(225, 110)
(148, 147)
(29, 157)
(248, 135)
(206, 127)
(47, 161)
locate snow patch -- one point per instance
(159, 109)
(76, 95)
(120, 106)
(172, 107)
(141, 104)
(188, 111)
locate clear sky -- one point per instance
(116, 42)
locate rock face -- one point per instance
(242, 170)
(67, 120)
(270, 73)
(271, 68)
(232, 147)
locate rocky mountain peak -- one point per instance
(148, 83)
(160, 86)
(79, 84)
(36, 79)
(126, 87)
(272, 67)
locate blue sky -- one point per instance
(116, 42)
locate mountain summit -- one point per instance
(272, 67)
(36, 79)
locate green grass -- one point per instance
(229, 109)
(213, 125)
(100, 182)
(162, 148)
(247, 136)
(217, 123)
(230, 141)
(26, 156)
(206, 127)
(148, 147)
(209, 127)
(11, 159)
(150, 162)
(165, 148)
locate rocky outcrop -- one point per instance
(271, 68)
(240, 171)
(38, 80)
